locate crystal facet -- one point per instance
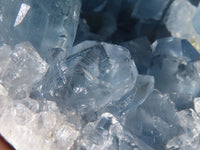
(47, 24)
(175, 66)
(91, 76)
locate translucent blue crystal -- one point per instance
(195, 20)
(154, 121)
(142, 89)
(189, 121)
(94, 75)
(175, 66)
(108, 133)
(50, 25)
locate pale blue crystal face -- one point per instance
(47, 24)
(195, 20)
(151, 9)
(175, 66)
(143, 88)
(97, 73)
(154, 121)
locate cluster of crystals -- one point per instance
(141, 93)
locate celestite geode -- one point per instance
(107, 75)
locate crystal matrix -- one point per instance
(128, 82)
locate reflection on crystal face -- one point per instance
(24, 8)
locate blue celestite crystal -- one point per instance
(175, 66)
(156, 120)
(50, 25)
(129, 80)
(195, 20)
(142, 89)
(189, 138)
(94, 75)
(108, 133)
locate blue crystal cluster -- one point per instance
(100, 74)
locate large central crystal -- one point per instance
(48, 24)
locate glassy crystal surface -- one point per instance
(151, 9)
(189, 139)
(108, 133)
(183, 28)
(48, 24)
(156, 121)
(97, 73)
(182, 101)
(142, 89)
(197, 105)
(195, 21)
(175, 66)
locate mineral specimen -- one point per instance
(130, 81)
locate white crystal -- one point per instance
(21, 14)
(22, 68)
(26, 129)
(197, 105)
(179, 21)
(189, 139)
